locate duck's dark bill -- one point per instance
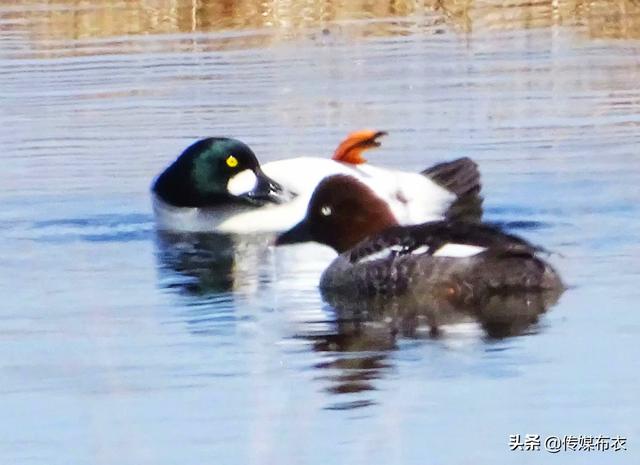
(266, 190)
(299, 233)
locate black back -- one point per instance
(438, 233)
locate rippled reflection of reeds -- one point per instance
(54, 20)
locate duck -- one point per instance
(218, 185)
(379, 256)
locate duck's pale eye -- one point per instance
(326, 210)
(232, 161)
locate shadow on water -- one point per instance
(367, 332)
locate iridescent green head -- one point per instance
(207, 174)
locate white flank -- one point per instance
(458, 250)
(420, 250)
(382, 254)
(242, 182)
(412, 197)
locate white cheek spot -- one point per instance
(242, 182)
(458, 250)
(326, 210)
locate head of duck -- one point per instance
(342, 211)
(214, 171)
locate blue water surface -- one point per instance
(121, 344)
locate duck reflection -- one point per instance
(363, 349)
(199, 264)
(356, 339)
(499, 314)
(368, 331)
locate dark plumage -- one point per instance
(406, 259)
(200, 175)
(380, 257)
(461, 177)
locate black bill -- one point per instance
(299, 233)
(266, 190)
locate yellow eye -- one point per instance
(232, 161)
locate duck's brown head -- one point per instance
(341, 213)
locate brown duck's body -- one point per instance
(465, 278)
(461, 259)
(464, 260)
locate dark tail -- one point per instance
(461, 177)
